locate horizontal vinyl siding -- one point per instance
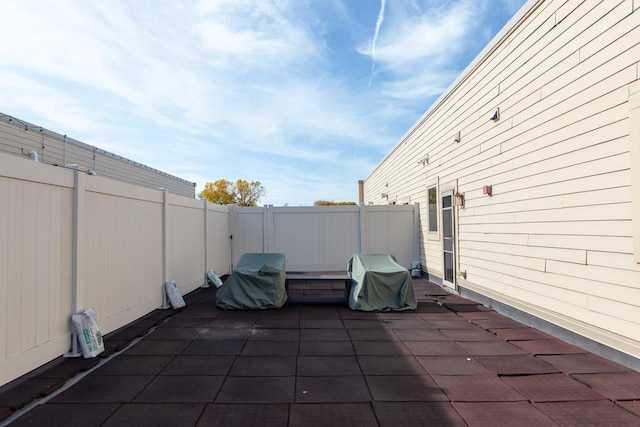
(51, 150)
(555, 239)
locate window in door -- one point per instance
(432, 196)
(448, 238)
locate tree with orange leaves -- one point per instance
(241, 192)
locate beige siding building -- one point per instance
(25, 139)
(527, 172)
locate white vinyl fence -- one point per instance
(69, 241)
(323, 238)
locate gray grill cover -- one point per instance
(257, 282)
(378, 282)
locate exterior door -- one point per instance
(448, 240)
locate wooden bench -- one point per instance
(300, 299)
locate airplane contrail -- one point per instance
(375, 38)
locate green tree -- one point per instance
(331, 203)
(241, 192)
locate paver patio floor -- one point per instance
(451, 362)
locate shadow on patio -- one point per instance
(451, 362)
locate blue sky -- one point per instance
(306, 96)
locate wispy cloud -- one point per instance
(421, 49)
(432, 33)
(376, 32)
(244, 34)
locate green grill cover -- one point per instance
(257, 282)
(378, 282)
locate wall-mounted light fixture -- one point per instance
(458, 199)
(424, 161)
(496, 115)
(384, 195)
(456, 137)
(486, 189)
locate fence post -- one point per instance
(232, 223)
(265, 237)
(416, 231)
(206, 243)
(362, 244)
(165, 232)
(78, 240)
(267, 228)
(271, 224)
(77, 254)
